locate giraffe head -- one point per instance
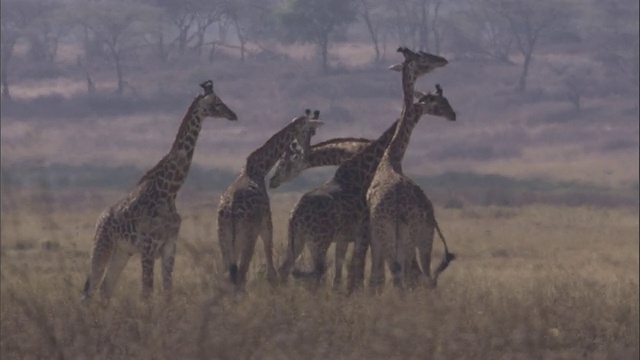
(210, 105)
(435, 104)
(290, 165)
(420, 62)
(293, 160)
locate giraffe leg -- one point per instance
(397, 253)
(168, 260)
(118, 261)
(376, 279)
(147, 261)
(103, 248)
(248, 245)
(226, 242)
(382, 235)
(319, 258)
(413, 273)
(267, 240)
(169, 254)
(425, 245)
(294, 249)
(355, 274)
(341, 252)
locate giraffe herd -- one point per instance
(368, 202)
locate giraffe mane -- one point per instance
(184, 122)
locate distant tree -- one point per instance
(370, 12)
(314, 21)
(208, 12)
(611, 31)
(182, 14)
(528, 22)
(118, 27)
(480, 32)
(575, 80)
(46, 30)
(16, 18)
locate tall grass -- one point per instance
(530, 282)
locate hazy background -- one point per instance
(93, 91)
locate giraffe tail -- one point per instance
(447, 257)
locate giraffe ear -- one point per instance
(395, 67)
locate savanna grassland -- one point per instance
(530, 282)
(536, 192)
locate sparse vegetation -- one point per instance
(529, 282)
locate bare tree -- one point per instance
(418, 23)
(45, 31)
(118, 27)
(183, 16)
(478, 31)
(575, 80)
(315, 21)
(208, 12)
(528, 22)
(16, 17)
(369, 11)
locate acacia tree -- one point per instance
(370, 12)
(314, 21)
(182, 15)
(16, 18)
(118, 27)
(528, 22)
(46, 30)
(612, 32)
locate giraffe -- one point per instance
(400, 218)
(146, 220)
(244, 211)
(337, 211)
(327, 153)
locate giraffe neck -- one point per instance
(261, 160)
(335, 151)
(357, 172)
(410, 115)
(171, 172)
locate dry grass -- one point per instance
(533, 282)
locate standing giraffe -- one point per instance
(327, 153)
(400, 218)
(146, 221)
(337, 210)
(244, 211)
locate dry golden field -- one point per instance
(533, 282)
